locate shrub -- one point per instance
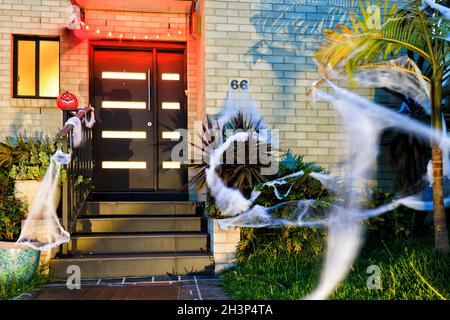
(242, 176)
(11, 153)
(33, 164)
(286, 240)
(400, 223)
(12, 211)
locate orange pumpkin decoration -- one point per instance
(67, 101)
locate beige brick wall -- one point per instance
(244, 41)
(223, 245)
(48, 18)
(27, 17)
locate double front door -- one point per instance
(140, 102)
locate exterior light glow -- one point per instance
(171, 165)
(171, 105)
(124, 105)
(172, 135)
(124, 134)
(97, 31)
(170, 76)
(124, 75)
(124, 165)
(109, 34)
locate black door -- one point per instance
(140, 101)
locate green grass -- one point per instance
(14, 288)
(410, 269)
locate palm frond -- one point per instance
(372, 38)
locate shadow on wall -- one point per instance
(25, 124)
(16, 130)
(290, 31)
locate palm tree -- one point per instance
(381, 34)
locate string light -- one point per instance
(134, 37)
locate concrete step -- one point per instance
(112, 224)
(143, 208)
(133, 265)
(139, 242)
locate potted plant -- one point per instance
(24, 161)
(17, 262)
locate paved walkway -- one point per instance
(148, 288)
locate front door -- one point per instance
(140, 102)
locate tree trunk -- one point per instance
(440, 225)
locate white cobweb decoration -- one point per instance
(363, 122)
(42, 229)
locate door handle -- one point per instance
(149, 90)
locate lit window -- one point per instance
(49, 68)
(26, 68)
(36, 67)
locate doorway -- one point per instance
(140, 101)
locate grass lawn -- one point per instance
(410, 269)
(14, 288)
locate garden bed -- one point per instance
(410, 270)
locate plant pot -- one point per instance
(26, 190)
(17, 262)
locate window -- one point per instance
(36, 67)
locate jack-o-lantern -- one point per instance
(67, 101)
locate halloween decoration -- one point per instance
(67, 101)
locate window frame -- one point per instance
(36, 39)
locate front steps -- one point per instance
(98, 266)
(139, 242)
(125, 239)
(139, 224)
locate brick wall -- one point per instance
(223, 245)
(27, 17)
(48, 18)
(271, 43)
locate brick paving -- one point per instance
(141, 288)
